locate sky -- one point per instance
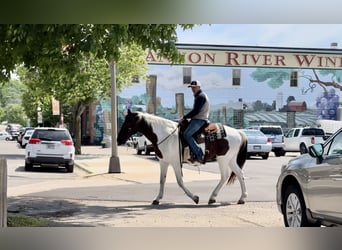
(214, 78)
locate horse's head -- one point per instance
(129, 127)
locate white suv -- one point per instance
(275, 133)
(50, 146)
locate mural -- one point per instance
(261, 90)
(327, 104)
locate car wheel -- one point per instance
(28, 166)
(265, 156)
(138, 150)
(7, 139)
(295, 209)
(147, 151)
(302, 149)
(277, 153)
(70, 168)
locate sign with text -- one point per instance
(55, 106)
(240, 56)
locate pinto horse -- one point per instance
(164, 135)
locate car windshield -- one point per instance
(253, 133)
(313, 131)
(271, 131)
(51, 135)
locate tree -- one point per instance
(275, 78)
(10, 103)
(84, 88)
(57, 51)
(57, 47)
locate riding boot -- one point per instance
(206, 157)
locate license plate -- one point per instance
(51, 146)
(256, 147)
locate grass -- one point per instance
(26, 221)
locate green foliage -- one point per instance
(59, 47)
(70, 62)
(273, 77)
(26, 221)
(10, 102)
(336, 75)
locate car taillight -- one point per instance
(282, 139)
(313, 140)
(67, 142)
(34, 141)
(269, 139)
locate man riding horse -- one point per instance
(199, 116)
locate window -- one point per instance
(236, 73)
(336, 145)
(187, 75)
(294, 78)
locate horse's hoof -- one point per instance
(211, 201)
(196, 199)
(241, 202)
(155, 202)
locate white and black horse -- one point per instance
(164, 135)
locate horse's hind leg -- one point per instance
(163, 173)
(239, 174)
(224, 178)
(178, 173)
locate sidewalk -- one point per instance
(94, 160)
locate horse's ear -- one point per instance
(129, 112)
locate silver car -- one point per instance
(309, 188)
(258, 143)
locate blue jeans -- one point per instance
(194, 126)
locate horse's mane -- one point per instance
(157, 120)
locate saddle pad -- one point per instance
(218, 134)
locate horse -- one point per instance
(164, 135)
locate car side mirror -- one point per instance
(316, 151)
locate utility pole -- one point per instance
(114, 162)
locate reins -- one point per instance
(179, 141)
(168, 136)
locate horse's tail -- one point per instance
(241, 157)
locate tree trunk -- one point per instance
(78, 111)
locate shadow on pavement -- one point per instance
(87, 214)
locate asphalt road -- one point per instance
(70, 199)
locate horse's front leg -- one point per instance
(178, 173)
(163, 172)
(223, 179)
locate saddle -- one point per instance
(212, 135)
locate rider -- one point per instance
(199, 116)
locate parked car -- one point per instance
(299, 139)
(13, 129)
(275, 133)
(132, 141)
(25, 139)
(144, 145)
(258, 143)
(5, 136)
(50, 146)
(21, 134)
(309, 188)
